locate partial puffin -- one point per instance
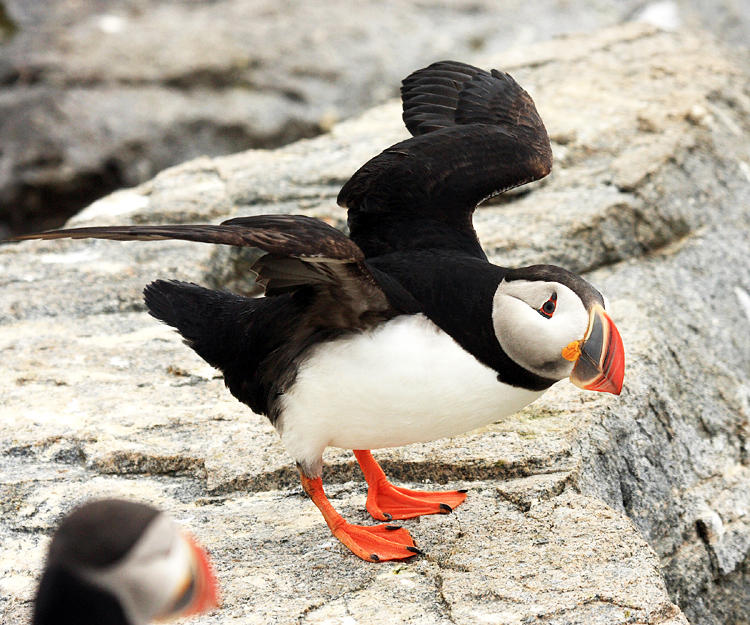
(117, 562)
(401, 332)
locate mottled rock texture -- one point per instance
(101, 94)
(582, 509)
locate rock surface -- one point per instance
(582, 508)
(96, 95)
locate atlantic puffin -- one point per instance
(118, 562)
(402, 331)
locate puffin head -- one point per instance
(553, 323)
(115, 562)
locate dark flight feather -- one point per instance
(299, 250)
(297, 236)
(476, 134)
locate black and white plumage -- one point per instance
(117, 562)
(402, 331)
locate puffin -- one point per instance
(120, 562)
(401, 331)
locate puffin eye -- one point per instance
(548, 308)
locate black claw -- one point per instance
(419, 552)
(446, 508)
(388, 517)
(393, 527)
(374, 557)
(462, 490)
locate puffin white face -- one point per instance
(164, 575)
(535, 320)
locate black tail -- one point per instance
(246, 338)
(209, 321)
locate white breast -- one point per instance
(404, 382)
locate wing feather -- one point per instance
(476, 134)
(300, 252)
(297, 236)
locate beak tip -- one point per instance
(209, 594)
(605, 385)
(601, 364)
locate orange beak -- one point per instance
(600, 366)
(205, 588)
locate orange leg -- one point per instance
(374, 544)
(386, 501)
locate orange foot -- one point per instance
(386, 501)
(377, 543)
(374, 544)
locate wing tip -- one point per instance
(449, 93)
(544, 162)
(36, 236)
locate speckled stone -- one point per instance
(582, 508)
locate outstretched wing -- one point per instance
(476, 134)
(296, 236)
(299, 251)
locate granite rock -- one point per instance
(582, 508)
(96, 95)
